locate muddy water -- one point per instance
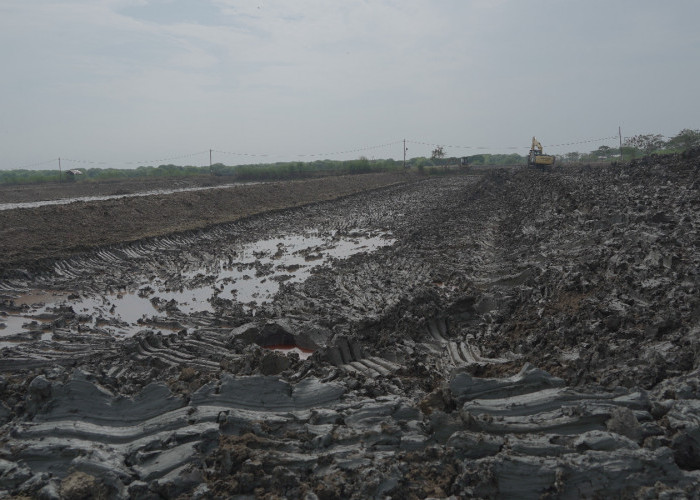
(250, 275)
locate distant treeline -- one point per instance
(255, 172)
(638, 146)
(632, 147)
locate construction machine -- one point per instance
(536, 158)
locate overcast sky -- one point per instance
(128, 82)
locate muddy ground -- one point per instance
(31, 235)
(513, 334)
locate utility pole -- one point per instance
(404, 154)
(619, 132)
(60, 176)
(210, 172)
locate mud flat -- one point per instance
(514, 334)
(30, 235)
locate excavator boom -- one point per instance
(536, 145)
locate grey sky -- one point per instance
(129, 82)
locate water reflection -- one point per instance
(249, 275)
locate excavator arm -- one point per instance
(536, 145)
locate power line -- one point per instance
(510, 147)
(367, 148)
(302, 155)
(583, 142)
(334, 153)
(145, 162)
(431, 144)
(52, 160)
(85, 161)
(237, 154)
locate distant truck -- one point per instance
(538, 159)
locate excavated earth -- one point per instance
(508, 334)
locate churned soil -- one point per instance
(512, 333)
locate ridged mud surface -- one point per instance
(514, 334)
(30, 236)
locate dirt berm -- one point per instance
(516, 334)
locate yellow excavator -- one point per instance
(537, 159)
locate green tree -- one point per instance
(477, 160)
(513, 159)
(602, 153)
(360, 165)
(647, 143)
(572, 157)
(685, 139)
(437, 154)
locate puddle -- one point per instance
(18, 323)
(17, 329)
(249, 275)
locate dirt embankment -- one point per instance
(30, 235)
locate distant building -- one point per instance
(73, 172)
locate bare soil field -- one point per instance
(516, 334)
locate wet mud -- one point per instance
(513, 333)
(32, 235)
